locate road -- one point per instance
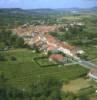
(87, 64)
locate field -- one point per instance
(94, 61)
(22, 72)
(75, 85)
(44, 62)
(90, 52)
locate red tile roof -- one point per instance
(56, 57)
(67, 46)
(50, 47)
(51, 39)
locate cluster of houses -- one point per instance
(45, 42)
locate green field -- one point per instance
(90, 52)
(22, 72)
(75, 85)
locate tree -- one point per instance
(2, 57)
(8, 39)
(3, 87)
(19, 42)
(83, 97)
(47, 88)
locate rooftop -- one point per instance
(56, 57)
(66, 45)
(50, 48)
(94, 71)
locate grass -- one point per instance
(94, 61)
(44, 61)
(93, 97)
(24, 71)
(70, 18)
(91, 52)
(75, 85)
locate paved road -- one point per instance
(71, 64)
(87, 64)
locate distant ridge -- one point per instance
(39, 10)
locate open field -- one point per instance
(24, 71)
(93, 97)
(91, 52)
(95, 61)
(75, 85)
(44, 62)
(81, 16)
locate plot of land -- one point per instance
(22, 72)
(95, 62)
(75, 85)
(91, 52)
(44, 62)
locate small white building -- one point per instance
(93, 74)
(65, 51)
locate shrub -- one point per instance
(13, 58)
(2, 57)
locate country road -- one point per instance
(87, 64)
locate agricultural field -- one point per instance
(30, 74)
(22, 72)
(75, 85)
(90, 52)
(94, 61)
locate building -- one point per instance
(69, 50)
(45, 42)
(93, 74)
(56, 57)
(51, 48)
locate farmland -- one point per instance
(32, 72)
(75, 85)
(24, 70)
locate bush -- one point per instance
(2, 57)
(13, 58)
(46, 88)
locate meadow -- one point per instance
(22, 72)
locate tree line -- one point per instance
(43, 89)
(9, 39)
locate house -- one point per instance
(56, 57)
(45, 42)
(93, 74)
(51, 48)
(67, 49)
(51, 40)
(38, 41)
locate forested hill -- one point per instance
(14, 17)
(19, 10)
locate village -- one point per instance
(38, 37)
(48, 50)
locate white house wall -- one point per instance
(65, 51)
(92, 76)
(51, 44)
